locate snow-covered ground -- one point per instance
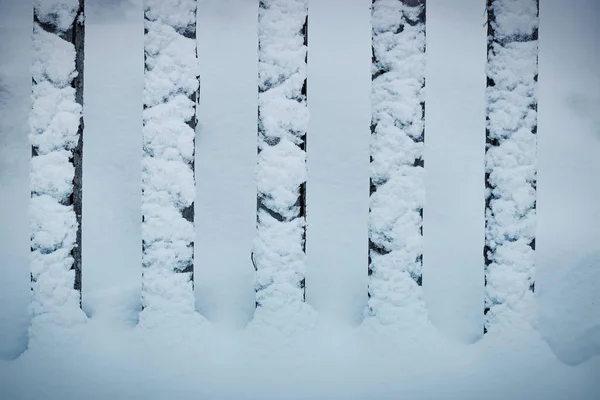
(15, 101)
(226, 190)
(113, 184)
(568, 264)
(337, 190)
(104, 358)
(454, 145)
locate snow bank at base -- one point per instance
(278, 251)
(510, 159)
(105, 360)
(568, 313)
(396, 204)
(168, 183)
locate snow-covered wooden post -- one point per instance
(279, 249)
(56, 136)
(171, 87)
(397, 159)
(510, 157)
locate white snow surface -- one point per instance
(54, 122)
(110, 358)
(511, 217)
(567, 283)
(59, 13)
(178, 14)
(226, 191)
(16, 26)
(514, 18)
(168, 181)
(454, 157)
(570, 324)
(394, 220)
(278, 247)
(112, 251)
(337, 192)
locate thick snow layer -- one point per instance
(454, 152)
(571, 326)
(109, 359)
(278, 250)
(567, 284)
(226, 191)
(54, 122)
(15, 151)
(114, 81)
(54, 59)
(395, 219)
(510, 159)
(59, 13)
(168, 182)
(338, 158)
(514, 19)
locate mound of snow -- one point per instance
(568, 314)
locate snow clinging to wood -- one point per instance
(283, 349)
(397, 192)
(58, 13)
(168, 182)
(54, 135)
(510, 159)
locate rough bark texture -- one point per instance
(79, 41)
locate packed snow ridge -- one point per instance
(510, 159)
(54, 123)
(397, 188)
(168, 183)
(278, 249)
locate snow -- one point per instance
(278, 249)
(177, 14)
(55, 118)
(59, 13)
(111, 356)
(15, 101)
(226, 191)
(119, 362)
(514, 18)
(168, 182)
(510, 161)
(114, 82)
(454, 149)
(338, 156)
(571, 326)
(171, 62)
(51, 173)
(567, 283)
(396, 148)
(54, 122)
(55, 60)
